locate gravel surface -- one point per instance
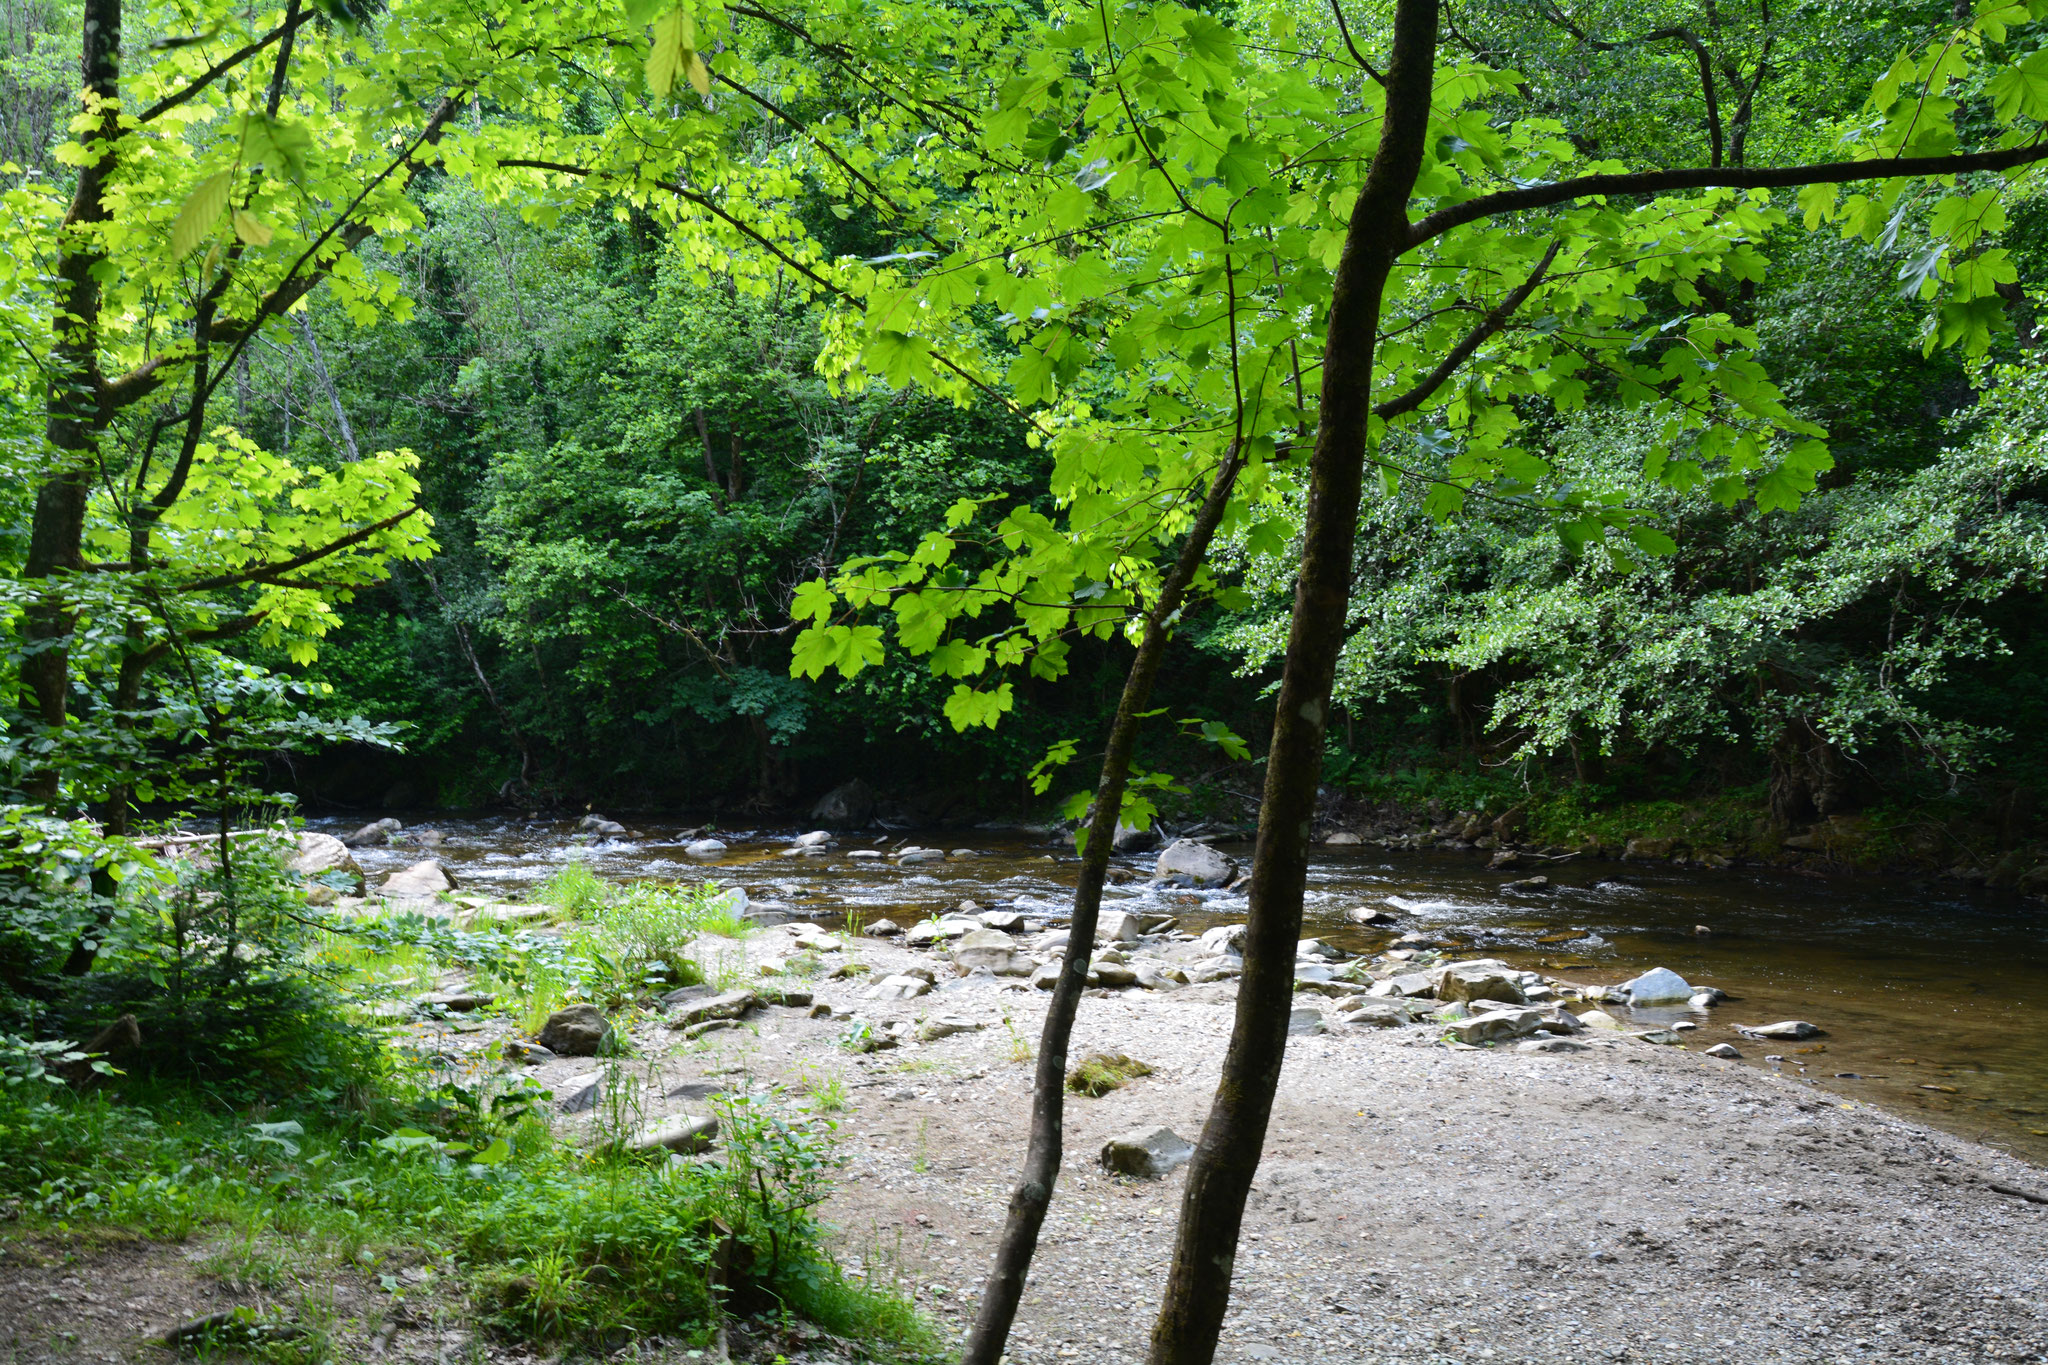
(1418, 1204)
(1424, 1204)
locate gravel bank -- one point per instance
(1418, 1203)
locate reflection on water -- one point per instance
(1931, 999)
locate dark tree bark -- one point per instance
(1033, 1193)
(75, 415)
(1227, 1157)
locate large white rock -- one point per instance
(991, 949)
(1224, 938)
(423, 880)
(1198, 862)
(1658, 986)
(319, 854)
(1119, 926)
(705, 848)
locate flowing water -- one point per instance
(1932, 998)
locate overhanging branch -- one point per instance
(1719, 177)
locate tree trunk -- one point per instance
(74, 419)
(1033, 1193)
(1227, 1157)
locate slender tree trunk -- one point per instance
(74, 419)
(1227, 1157)
(1033, 1193)
(348, 433)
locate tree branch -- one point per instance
(1463, 351)
(1363, 65)
(222, 67)
(264, 572)
(1719, 177)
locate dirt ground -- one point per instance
(1418, 1205)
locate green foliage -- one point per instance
(575, 890)
(557, 1245)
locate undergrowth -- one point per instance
(550, 1242)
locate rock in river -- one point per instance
(1658, 986)
(373, 835)
(1146, 1152)
(1784, 1028)
(704, 848)
(1198, 862)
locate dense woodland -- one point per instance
(1612, 410)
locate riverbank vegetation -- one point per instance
(300, 1117)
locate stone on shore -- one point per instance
(1147, 1152)
(725, 1005)
(1224, 938)
(683, 1133)
(993, 950)
(898, 988)
(575, 1031)
(945, 1026)
(1553, 1045)
(1496, 1025)
(422, 881)
(1470, 981)
(319, 855)
(1725, 1051)
(1119, 926)
(881, 928)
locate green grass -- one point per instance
(575, 891)
(547, 1241)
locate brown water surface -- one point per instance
(1931, 997)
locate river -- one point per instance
(1930, 995)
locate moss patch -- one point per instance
(1101, 1072)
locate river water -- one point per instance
(1934, 1000)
